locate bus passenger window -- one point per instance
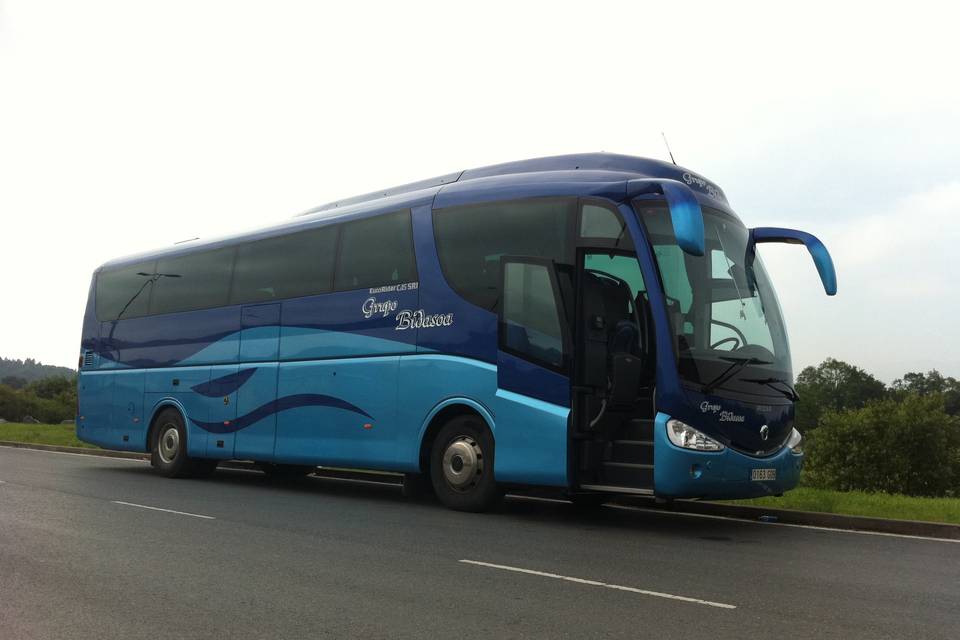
(376, 251)
(289, 266)
(531, 314)
(472, 238)
(125, 291)
(192, 281)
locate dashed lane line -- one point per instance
(597, 583)
(179, 513)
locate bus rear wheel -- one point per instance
(461, 465)
(169, 448)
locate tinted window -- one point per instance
(192, 281)
(299, 264)
(471, 239)
(624, 267)
(600, 222)
(376, 251)
(531, 315)
(126, 287)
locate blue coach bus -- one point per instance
(595, 323)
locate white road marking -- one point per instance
(597, 583)
(783, 524)
(82, 455)
(179, 513)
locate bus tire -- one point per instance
(461, 465)
(169, 448)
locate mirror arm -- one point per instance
(818, 251)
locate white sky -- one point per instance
(126, 126)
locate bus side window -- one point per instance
(624, 267)
(531, 313)
(471, 239)
(376, 251)
(192, 281)
(600, 222)
(125, 291)
(288, 266)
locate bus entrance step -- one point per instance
(634, 451)
(628, 474)
(636, 429)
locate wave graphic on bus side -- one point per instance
(275, 406)
(225, 385)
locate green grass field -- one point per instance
(859, 503)
(856, 503)
(58, 434)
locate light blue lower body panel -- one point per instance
(127, 421)
(427, 383)
(256, 440)
(95, 395)
(338, 412)
(531, 440)
(684, 473)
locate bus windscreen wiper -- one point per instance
(786, 390)
(732, 370)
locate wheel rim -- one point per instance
(462, 463)
(169, 444)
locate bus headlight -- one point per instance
(685, 436)
(794, 442)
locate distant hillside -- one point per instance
(31, 370)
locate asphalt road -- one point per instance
(81, 557)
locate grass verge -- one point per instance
(62, 435)
(860, 503)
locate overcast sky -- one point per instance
(126, 126)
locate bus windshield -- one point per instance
(727, 328)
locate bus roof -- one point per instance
(583, 174)
(596, 166)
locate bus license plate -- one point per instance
(763, 474)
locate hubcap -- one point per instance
(169, 444)
(462, 463)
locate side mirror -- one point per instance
(821, 257)
(685, 212)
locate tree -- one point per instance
(908, 446)
(833, 385)
(14, 382)
(52, 387)
(931, 383)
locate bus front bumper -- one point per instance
(726, 474)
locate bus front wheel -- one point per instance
(461, 465)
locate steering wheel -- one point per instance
(726, 340)
(740, 338)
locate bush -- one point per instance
(910, 446)
(56, 404)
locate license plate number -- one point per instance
(763, 474)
